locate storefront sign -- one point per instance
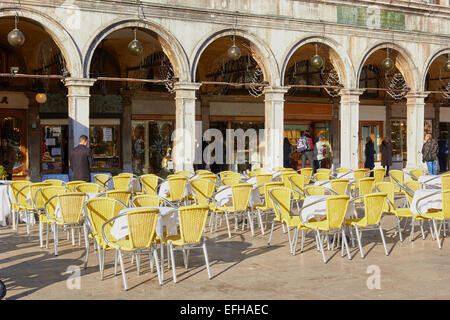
(372, 17)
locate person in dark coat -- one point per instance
(429, 153)
(81, 160)
(369, 152)
(386, 154)
(443, 154)
(287, 151)
(7, 158)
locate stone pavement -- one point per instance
(242, 268)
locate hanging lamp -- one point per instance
(135, 47)
(15, 36)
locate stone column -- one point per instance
(415, 110)
(125, 127)
(78, 103)
(274, 126)
(184, 146)
(349, 114)
(334, 136)
(34, 138)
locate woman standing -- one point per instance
(287, 151)
(369, 153)
(386, 154)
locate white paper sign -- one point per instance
(56, 151)
(50, 141)
(107, 134)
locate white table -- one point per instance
(324, 183)
(5, 206)
(318, 211)
(436, 182)
(433, 202)
(345, 175)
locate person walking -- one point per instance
(305, 146)
(287, 151)
(319, 153)
(7, 158)
(81, 160)
(369, 153)
(442, 154)
(386, 154)
(429, 153)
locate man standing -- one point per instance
(306, 147)
(429, 153)
(81, 160)
(7, 158)
(443, 153)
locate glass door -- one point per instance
(13, 127)
(374, 130)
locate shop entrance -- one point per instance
(374, 130)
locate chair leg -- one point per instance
(251, 223)
(413, 221)
(260, 222)
(358, 236)
(14, 225)
(150, 261)
(72, 231)
(41, 231)
(382, 239)
(228, 224)
(206, 259)
(211, 221)
(174, 273)
(270, 236)
(185, 259)
(158, 271)
(399, 229)
(55, 239)
(430, 226)
(116, 253)
(351, 236)
(344, 240)
(436, 233)
(421, 229)
(46, 238)
(289, 238)
(138, 263)
(302, 241)
(124, 278)
(328, 242)
(321, 246)
(86, 243)
(27, 217)
(99, 255)
(295, 241)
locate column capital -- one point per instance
(351, 92)
(191, 86)
(416, 95)
(127, 96)
(81, 82)
(279, 90)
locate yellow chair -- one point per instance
(15, 187)
(224, 174)
(314, 190)
(150, 183)
(325, 171)
(366, 186)
(177, 187)
(122, 182)
(102, 179)
(321, 177)
(262, 178)
(340, 186)
(307, 172)
(89, 187)
(373, 209)
(29, 205)
(71, 216)
(72, 184)
(445, 181)
(298, 183)
(378, 174)
(99, 211)
(282, 203)
(396, 177)
(203, 190)
(201, 172)
(123, 196)
(342, 170)
(192, 223)
(183, 173)
(45, 194)
(336, 208)
(411, 187)
(212, 177)
(267, 207)
(141, 237)
(240, 205)
(416, 173)
(146, 200)
(54, 182)
(230, 180)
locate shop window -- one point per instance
(54, 146)
(104, 141)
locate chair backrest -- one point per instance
(48, 193)
(298, 182)
(446, 204)
(88, 187)
(340, 186)
(146, 200)
(34, 188)
(100, 210)
(413, 186)
(241, 195)
(262, 178)
(373, 206)
(336, 210)
(177, 185)
(183, 173)
(121, 182)
(267, 187)
(359, 174)
(342, 170)
(102, 179)
(204, 189)
(201, 172)
(396, 177)
(150, 182)
(388, 188)
(322, 176)
(142, 226)
(192, 222)
(445, 181)
(307, 172)
(121, 195)
(71, 206)
(314, 190)
(366, 186)
(210, 176)
(281, 196)
(16, 186)
(230, 180)
(72, 184)
(324, 170)
(285, 179)
(125, 174)
(378, 174)
(417, 173)
(54, 182)
(224, 174)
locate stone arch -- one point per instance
(59, 34)
(263, 54)
(170, 45)
(429, 62)
(404, 63)
(343, 65)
